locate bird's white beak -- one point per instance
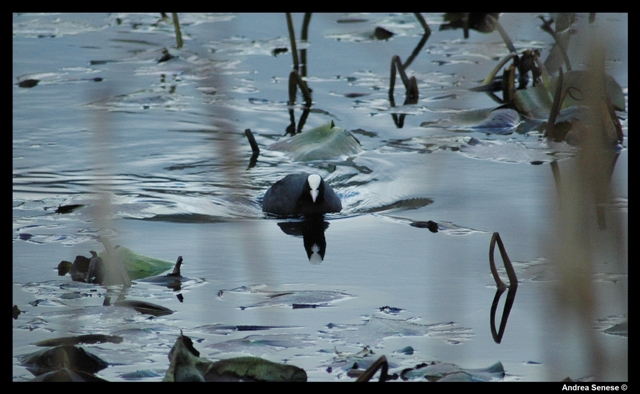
(314, 181)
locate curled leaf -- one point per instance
(138, 265)
(323, 142)
(187, 366)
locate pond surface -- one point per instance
(155, 151)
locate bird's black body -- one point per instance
(291, 196)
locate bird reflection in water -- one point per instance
(312, 232)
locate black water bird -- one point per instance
(301, 194)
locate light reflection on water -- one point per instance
(170, 193)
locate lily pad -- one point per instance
(295, 298)
(536, 101)
(321, 143)
(143, 307)
(67, 375)
(173, 280)
(621, 329)
(514, 151)
(224, 329)
(187, 366)
(580, 80)
(91, 338)
(264, 344)
(138, 265)
(59, 357)
(488, 120)
(376, 329)
(444, 372)
(68, 208)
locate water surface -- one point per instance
(164, 143)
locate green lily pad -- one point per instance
(138, 265)
(321, 143)
(187, 366)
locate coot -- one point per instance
(301, 194)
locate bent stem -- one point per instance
(295, 79)
(381, 362)
(503, 34)
(511, 273)
(546, 26)
(497, 68)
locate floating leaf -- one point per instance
(140, 374)
(301, 299)
(579, 80)
(534, 102)
(264, 343)
(28, 83)
(621, 329)
(187, 366)
(67, 375)
(323, 142)
(401, 205)
(488, 120)
(452, 373)
(68, 208)
(59, 357)
(173, 280)
(140, 266)
(144, 307)
(510, 151)
(376, 329)
(92, 338)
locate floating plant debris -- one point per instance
(187, 366)
(86, 339)
(64, 356)
(444, 372)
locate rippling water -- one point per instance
(163, 142)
